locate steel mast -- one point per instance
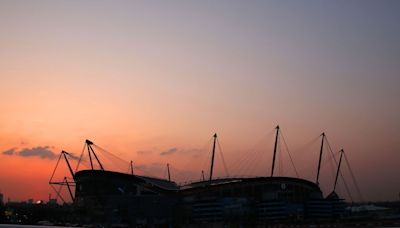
(320, 156)
(338, 169)
(169, 174)
(69, 166)
(90, 150)
(276, 143)
(212, 158)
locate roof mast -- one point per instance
(131, 167)
(276, 143)
(69, 166)
(212, 158)
(338, 169)
(69, 188)
(169, 174)
(90, 150)
(320, 156)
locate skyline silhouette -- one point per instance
(152, 81)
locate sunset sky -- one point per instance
(152, 81)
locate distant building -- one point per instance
(1, 198)
(30, 201)
(52, 201)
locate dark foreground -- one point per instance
(27, 226)
(25, 215)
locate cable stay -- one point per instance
(199, 159)
(55, 168)
(80, 157)
(222, 158)
(248, 163)
(277, 146)
(91, 151)
(302, 154)
(290, 156)
(281, 168)
(58, 192)
(341, 175)
(69, 166)
(354, 179)
(87, 147)
(65, 181)
(94, 159)
(69, 188)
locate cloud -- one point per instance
(9, 151)
(169, 152)
(73, 157)
(194, 152)
(42, 152)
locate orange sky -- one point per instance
(140, 79)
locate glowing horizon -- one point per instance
(152, 82)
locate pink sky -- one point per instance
(140, 79)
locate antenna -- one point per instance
(202, 176)
(276, 142)
(131, 167)
(212, 158)
(320, 156)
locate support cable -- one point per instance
(290, 156)
(58, 192)
(247, 156)
(54, 171)
(240, 164)
(354, 179)
(116, 162)
(306, 147)
(205, 159)
(341, 175)
(281, 167)
(80, 157)
(249, 164)
(222, 158)
(95, 156)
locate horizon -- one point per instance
(152, 82)
(259, 168)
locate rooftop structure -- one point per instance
(101, 195)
